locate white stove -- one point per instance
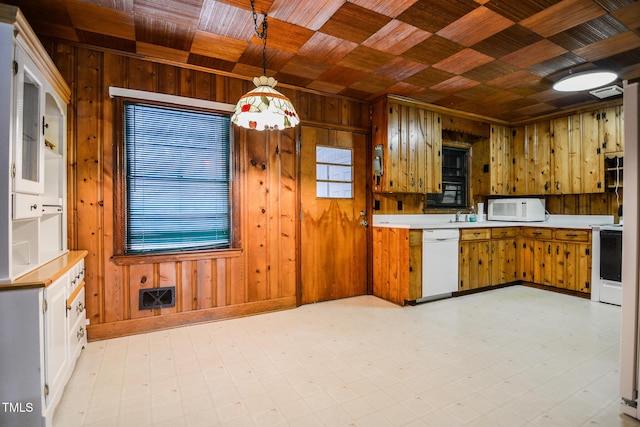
(606, 263)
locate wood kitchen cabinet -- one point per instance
(503, 255)
(573, 260)
(611, 129)
(397, 264)
(532, 159)
(487, 257)
(559, 258)
(492, 160)
(536, 255)
(564, 155)
(474, 260)
(500, 167)
(577, 155)
(407, 144)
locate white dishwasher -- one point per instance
(439, 262)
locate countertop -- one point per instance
(448, 221)
(48, 273)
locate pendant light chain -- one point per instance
(264, 108)
(261, 33)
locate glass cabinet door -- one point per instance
(28, 148)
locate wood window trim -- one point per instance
(119, 193)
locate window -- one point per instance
(334, 178)
(176, 177)
(455, 187)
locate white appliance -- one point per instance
(516, 209)
(606, 263)
(439, 263)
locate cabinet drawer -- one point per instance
(76, 311)
(538, 233)
(475, 234)
(26, 206)
(504, 233)
(573, 235)
(76, 276)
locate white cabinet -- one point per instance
(42, 333)
(33, 117)
(55, 338)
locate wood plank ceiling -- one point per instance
(495, 58)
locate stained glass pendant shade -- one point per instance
(264, 108)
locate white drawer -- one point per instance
(76, 311)
(76, 276)
(77, 340)
(26, 206)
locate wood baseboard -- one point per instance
(522, 283)
(149, 324)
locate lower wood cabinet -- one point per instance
(490, 256)
(487, 257)
(560, 258)
(474, 260)
(397, 264)
(504, 263)
(42, 324)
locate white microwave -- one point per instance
(516, 209)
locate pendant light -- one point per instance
(584, 81)
(264, 108)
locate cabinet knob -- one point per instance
(33, 207)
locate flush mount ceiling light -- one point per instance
(264, 108)
(584, 81)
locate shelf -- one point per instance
(51, 155)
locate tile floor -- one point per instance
(510, 357)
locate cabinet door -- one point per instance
(611, 129)
(564, 258)
(434, 152)
(520, 155)
(539, 152)
(474, 264)
(500, 160)
(566, 155)
(591, 160)
(503, 261)
(583, 267)
(526, 251)
(28, 150)
(464, 269)
(543, 262)
(56, 335)
(574, 269)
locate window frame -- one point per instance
(120, 257)
(435, 204)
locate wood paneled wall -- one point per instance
(261, 276)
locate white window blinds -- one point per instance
(177, 179)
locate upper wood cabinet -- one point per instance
(564, 155)
(407, 148)
(578, 165)
(500, 168)
(611, 129)
(532, 159)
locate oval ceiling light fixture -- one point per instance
(264, 108)
(585, 80)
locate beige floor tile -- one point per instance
(508, 357)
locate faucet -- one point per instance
(458, 216)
